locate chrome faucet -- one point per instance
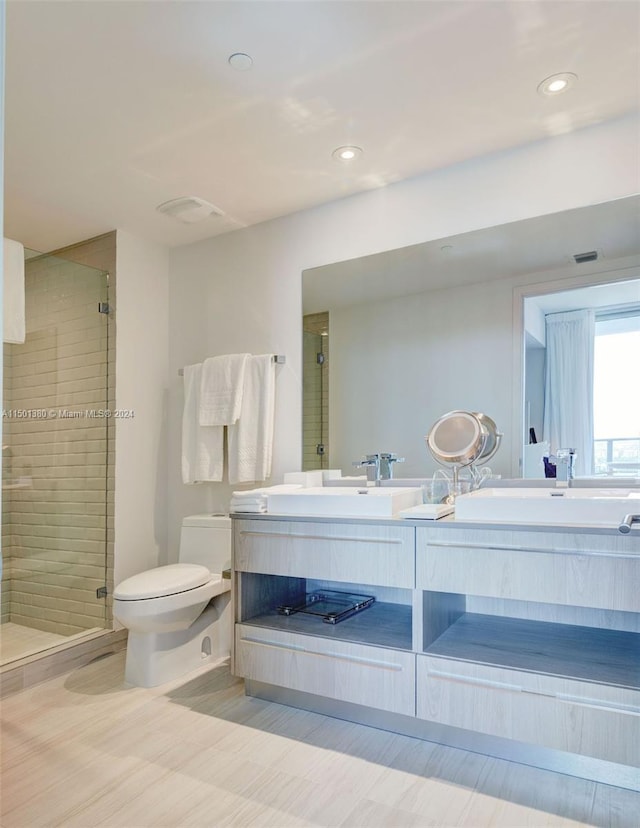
(386, 465)
(564, 467)
(379, 466)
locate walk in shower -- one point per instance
(57, 469)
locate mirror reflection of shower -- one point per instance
(315, 395)
(56, 501)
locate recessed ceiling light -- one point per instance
(556, 84)
(189, 210)
(240, 61)
(346, 153)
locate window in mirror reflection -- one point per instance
(582, 352)
(616, 394)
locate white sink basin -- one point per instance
(587, 507)
(344, 501)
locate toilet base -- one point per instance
(156, 658)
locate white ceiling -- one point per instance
(114, 107)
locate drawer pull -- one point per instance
(584, 701)
(330, 538)
(478, 682)
(367, 662)
(496, 547)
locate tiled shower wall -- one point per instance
(58, 471)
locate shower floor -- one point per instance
(17, 641)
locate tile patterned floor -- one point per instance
(83, 750)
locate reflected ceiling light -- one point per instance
(240, 61)
(556, 84)
(346, 153)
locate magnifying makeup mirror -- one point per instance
(463, 438)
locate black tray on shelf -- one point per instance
(332, 606)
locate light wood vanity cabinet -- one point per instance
(581, 717)
(372, 676)
(366, 660)
(519, 674)
(585, 570)
(530, 636)
(345, 552)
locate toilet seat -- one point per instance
(162, 581)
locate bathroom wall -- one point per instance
(141, 440)
(242, 291)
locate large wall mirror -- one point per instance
(394, 340)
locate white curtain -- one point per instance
(568, 392)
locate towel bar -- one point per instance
(279, 358)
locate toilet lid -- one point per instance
(163, 580)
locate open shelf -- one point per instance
(587, 653)
(381, 624)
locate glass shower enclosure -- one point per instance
(57, 493)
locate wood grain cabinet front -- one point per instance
(371, 676)
(580, 717)
(585, 570)
(344, 552)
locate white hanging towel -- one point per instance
(221, 389)
(13, 292)
(251, 438)
(202, 446)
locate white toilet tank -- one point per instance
(206, 540)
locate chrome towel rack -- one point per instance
(280, 359)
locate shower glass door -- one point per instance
(56, 469)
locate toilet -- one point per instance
(178, 616)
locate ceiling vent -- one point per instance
(189, 209)
(581, 258)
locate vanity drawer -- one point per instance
(579, 717)
(371, 676)
(366, 554)
(601, 571)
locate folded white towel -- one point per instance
(248, 497)
(221, 389)
(266, 490)
(251, 438)
(202, 448)
(248, 494)
(13, 292)
(256, 500)
(260, 501)
(250, 510)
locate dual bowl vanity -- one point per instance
(517, 636)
